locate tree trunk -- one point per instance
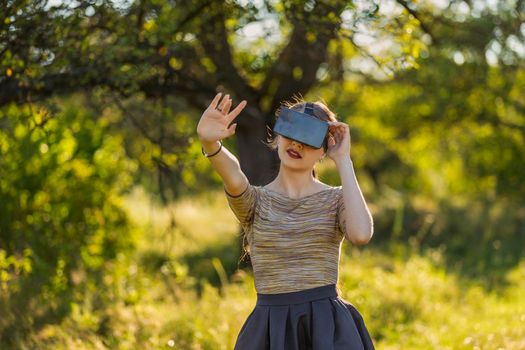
(258, 161)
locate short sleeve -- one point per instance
(243, 205)
(341, 217)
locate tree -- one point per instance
(183, 51)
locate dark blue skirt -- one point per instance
(313, 319)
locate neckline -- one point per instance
(300, 198)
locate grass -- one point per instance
(181, 290)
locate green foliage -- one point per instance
(437, 125)
(438, 148)
(61, 217)
(408, 300)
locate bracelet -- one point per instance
(211, 155)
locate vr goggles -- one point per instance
(302, 127)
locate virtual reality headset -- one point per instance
(302, 127)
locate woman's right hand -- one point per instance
(213, 125)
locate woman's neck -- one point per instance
(295, 183)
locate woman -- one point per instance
(294, 227)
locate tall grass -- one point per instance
(170, 295)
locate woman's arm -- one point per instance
(359, 221)
(214, 126)
(228, 167)
(359, 224)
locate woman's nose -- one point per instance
(297, 143)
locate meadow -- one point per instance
(115, 232)
(182, 289)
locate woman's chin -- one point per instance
(295, 165)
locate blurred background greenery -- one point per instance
(114, 229)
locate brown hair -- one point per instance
(321, 111)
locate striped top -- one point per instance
(295, 243)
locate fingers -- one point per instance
(334, 125)
(233, 114)
(226, 108)
(337, 131)
(213, 104)
(231, 129)
(223, 103)
(338, 128)
(331, 142)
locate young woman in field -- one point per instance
(294, 227)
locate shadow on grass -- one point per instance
(478, 237)
(214, 263)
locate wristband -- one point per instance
(211, 155)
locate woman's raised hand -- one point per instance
(213, 125)
(339, 142)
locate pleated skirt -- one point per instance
(310, 319)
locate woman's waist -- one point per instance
(298, 296)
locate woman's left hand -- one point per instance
(338, 141)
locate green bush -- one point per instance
(61, 216)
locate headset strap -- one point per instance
(309, 109)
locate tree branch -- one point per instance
(416, 15)
(214, 39)
(295, 70)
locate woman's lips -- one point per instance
(293, 154)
